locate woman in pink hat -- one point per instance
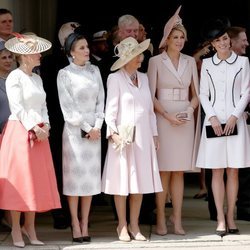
(174, 87)
(27, 178)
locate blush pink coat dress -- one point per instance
(178, 144)
(134, 169)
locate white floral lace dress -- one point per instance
(81, 96)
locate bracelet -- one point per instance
(163, 113)
(191, 108)
(213, 116)
(114, 133)
(47, 124)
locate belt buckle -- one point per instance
(176, 94)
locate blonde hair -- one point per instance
(181, 28)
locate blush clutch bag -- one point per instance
(210, 131)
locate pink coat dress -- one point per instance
(134, 169)
(178, 144)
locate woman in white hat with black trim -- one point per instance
(225, 141)
(27, 178)
(131, 167)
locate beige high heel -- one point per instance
(19, 244)
(179, 231)
(125, 237)
(161, 230)
(32, 242)
(138, 236)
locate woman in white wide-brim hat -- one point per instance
(131, 165)
(27, 178)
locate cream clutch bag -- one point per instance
(127, 133)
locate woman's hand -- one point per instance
(172, 118)
(230, 125)
(46, 128)
(94, 134)
(41, 133)
(216, 125)
(156, 142)
(116, 139)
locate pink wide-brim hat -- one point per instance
(173, 21)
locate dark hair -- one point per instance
(215, 28)
(5, 11)
(71, 41)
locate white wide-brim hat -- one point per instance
(128, 49)
(27, 44)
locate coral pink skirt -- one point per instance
(27, 177)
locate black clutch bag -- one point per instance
(210, 131)
(83, 133)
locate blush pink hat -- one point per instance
(173, 21)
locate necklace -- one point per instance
(3, 77)
(133, 77)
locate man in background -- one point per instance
(98, 46)
(239, 44)
(6, 24)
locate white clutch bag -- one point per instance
(127, 133)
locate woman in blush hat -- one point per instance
(27, 178)
(131, 168)
(224, 95)
(173, 81)
(81, 97)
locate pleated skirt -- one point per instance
(27, 176)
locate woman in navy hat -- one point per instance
(224, 94)
(81, 97)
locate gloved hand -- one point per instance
(41, 133)
(190, 111)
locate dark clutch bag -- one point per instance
(210, 131)
(83, 133)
